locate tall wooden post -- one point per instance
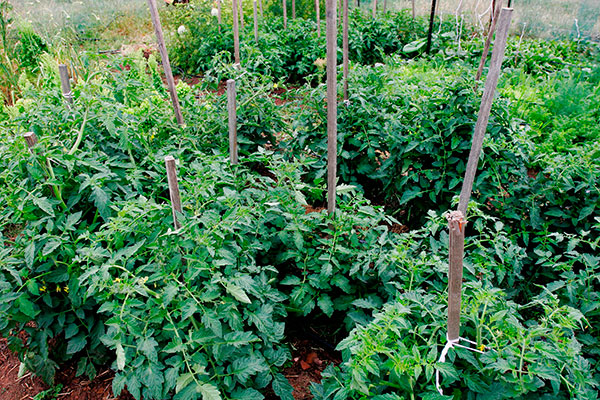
(318, 16)
(232, 113)
(284, 14)
(262, 15)
(345, 48)
(485, 108)
(293, 9)
(236, 34)
(413, 9)
(330, 12)
(173, 189)
(255, 22)
(384, 6)
(430, 32)
(65, 83)
(241, 6)
(165, 60)
(219, 17)
(31, 139)
(456, 226)
(374, 8)
(488, 42)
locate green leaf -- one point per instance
(27, 307)
(101, 199)
(120, 357)
(76, 344)
(282, 387)
(44, 204)
(30, 254)
(50, 246)
(238, 293)
(208, 391)
(326, 304)
(148, 347)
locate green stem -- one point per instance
(80, 134)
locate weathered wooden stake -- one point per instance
(485, 108)
(231, 108)
(31, 139)
(488, 42)
(255, 23)
(165, 60)
(284, 14)
(345, 48)
(330, 14)
(65, 83)
(374, 8)
(262, 15)
(318, 15)
(293, 9)
(173, 189)
(219, 17)
(241, 5)
(456, 226)
(236, 34)
(430, 33)
(384, 6)
(413, 9)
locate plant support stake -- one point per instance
(345, 48)
(31, 139)
(430, 32)
(485, 108)
(255, 23)
(165, 60)
(488, 42)
(456, 227)
(231, 109)
(318, 16)
(173, 189)
(241, 6)
(374, 8)
(65, 83)
(236, 34)
(284, 14)
(330, 13)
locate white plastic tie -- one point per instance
(450, 344)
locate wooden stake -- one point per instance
(65, 83)
(241, 5)
(330, 13)
(456, 227)
(488, 42)
(262, 15)
(485, 108)
(255, 23)
(345, 48)
(293, 9)
(374, 8)
(231, 108)
(236, 34)
(165, 60)
(31, 139)
(430, 33)
(413, 9)
(219, 18)
(284, 14)
(173, 189)
(384, 6)
(318, 15)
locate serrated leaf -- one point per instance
(120, 357)
(76, 344)
(44, 204)
(238, 293)
(30, 254)
(325, 304)
(282, 387)
(50, 246)
(208, 391)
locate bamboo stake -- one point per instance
(456, 227)
(65, 83)
(318, 16)
(255, 23)
(345, 48)
(330, 13)
(31, 139)
(173, 189)
(293, 9)
(431, 18)
(241, 6)
(486, 106)
(231, 108)
(488, 42)
(165, 60)
(374, 8)
(284, 14)
(236, 34)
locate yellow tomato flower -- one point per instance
(58, 289)
(43, 289)
(481, 348)
(66, 289)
